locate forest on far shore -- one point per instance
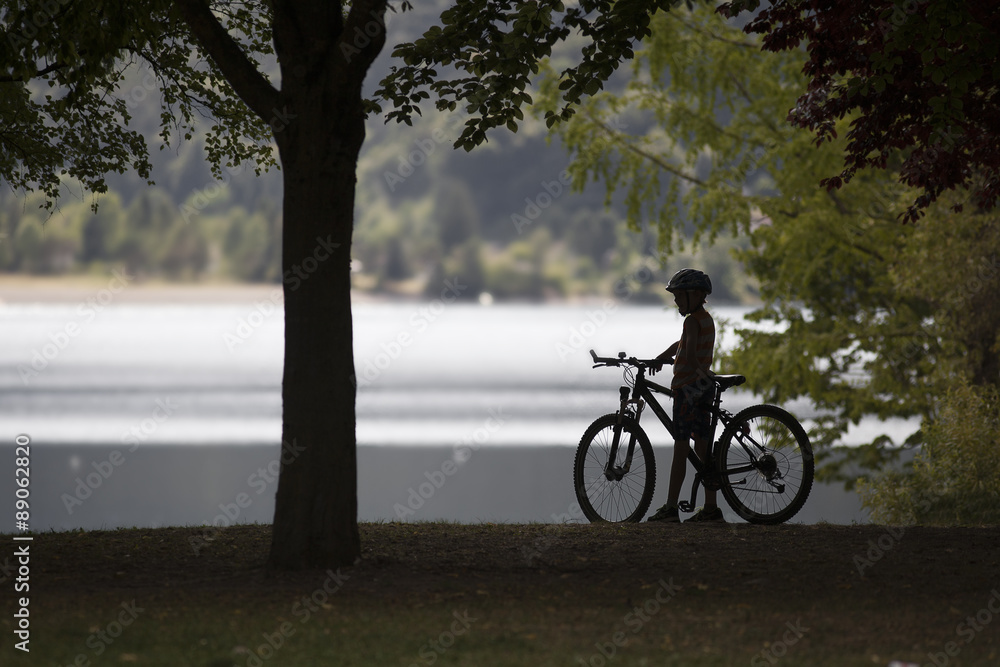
(425, 213)
(408, 250)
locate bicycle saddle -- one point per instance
(727, 381)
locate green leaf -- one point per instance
(593, 86)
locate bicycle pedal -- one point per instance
(685, 506)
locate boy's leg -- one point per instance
(683, 416)
(678, 470)
(701, 449)
(710, 512)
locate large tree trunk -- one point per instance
(318, 122)
(319, 134)
(315, 520)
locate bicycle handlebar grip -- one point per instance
(607, 361)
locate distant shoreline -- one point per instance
(21, 289)
(24, 289)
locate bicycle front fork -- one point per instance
(614, 472)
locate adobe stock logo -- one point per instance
(363, 36)
(967, 630)
(419, 322)
(87, 311)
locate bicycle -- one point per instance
(763, 462)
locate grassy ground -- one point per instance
(488, 594)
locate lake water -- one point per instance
(429, 373)
(432, 375)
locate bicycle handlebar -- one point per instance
(629, 361)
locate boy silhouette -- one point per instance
(693, 389)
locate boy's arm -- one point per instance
(669, 352)
(690, 339)
(662, 357)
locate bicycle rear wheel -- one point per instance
(765, 464)
(614, 493)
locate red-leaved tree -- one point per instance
(921, 79)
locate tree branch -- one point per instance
(58, 65)
(750, 99)
(839, 204)
(646, 155)
(711, 35)
(240, 72)
(357, 47)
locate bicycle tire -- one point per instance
(752, 490)
(603, 499)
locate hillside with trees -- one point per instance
(503, 219)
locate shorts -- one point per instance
(692, 417)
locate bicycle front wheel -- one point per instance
(615, 490)
(765, 464)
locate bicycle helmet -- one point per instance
(686, 279)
